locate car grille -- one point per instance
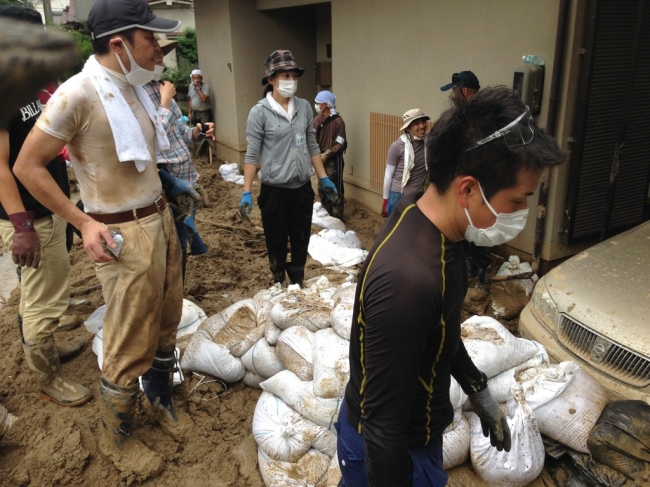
(603, 354)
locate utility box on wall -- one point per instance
(528, 82)
(323, 73)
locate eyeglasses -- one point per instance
(517, 133)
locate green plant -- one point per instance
(84, 43)
(179, 77)
(187, 46)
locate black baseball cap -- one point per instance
(464, 78)
(109, 17)
(21, 13)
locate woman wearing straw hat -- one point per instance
(406, 168)
(281, 137)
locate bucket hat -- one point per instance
(280, 60)
(411, 115)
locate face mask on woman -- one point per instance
(287, 88)
(505, 228)
(317, 107)
(138, 76)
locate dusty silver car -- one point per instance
(595, 309)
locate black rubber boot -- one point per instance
(278, 276)
(157, 383)
(127, 454)
(296, 274)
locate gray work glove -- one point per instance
(493, 419)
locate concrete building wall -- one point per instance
(390, 56)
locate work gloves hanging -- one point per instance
(246, 205)
(493, 419)
(26, 248)
(328, 189)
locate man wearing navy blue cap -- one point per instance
(465, 84)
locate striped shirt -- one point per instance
(178, 157)
(405, 341)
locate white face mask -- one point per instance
(287, 88)
(158, 72)
(138, 76)
(317, 107)
(507, 227)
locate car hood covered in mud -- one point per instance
(607, 288)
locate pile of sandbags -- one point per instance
(302, 365)
(560, 401)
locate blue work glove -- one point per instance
(173, 186)
(328, 189)
(197, 247)
(246, 205)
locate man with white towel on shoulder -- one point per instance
(112, 132)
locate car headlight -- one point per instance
(543, 305)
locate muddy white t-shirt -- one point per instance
(75, 114)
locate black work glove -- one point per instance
(493, 419)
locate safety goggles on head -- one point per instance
(517, 133)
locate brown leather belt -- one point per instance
(157, 206)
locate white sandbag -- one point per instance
(347, 239)
(253, 379)
(500, 385)
(95, 321)
(262, 360)
(566, 401)
(328, 253)
(322, 219)
(525, 460)
(331, 363)
(227, 313)
(272, 332)
(285, 435)
(205, 356)
(297, 309)
(213, 324)
(341, 318)
(333, 475)
(230, 173)
(299, 395)
(249, 340)
(238, 326)
(307, 471)
(294, 350)
(492, 347)
(264, 312)
(191, 319)
(456, 395)
(98, 349)
(455, 441)
(346, 293)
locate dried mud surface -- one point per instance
(57, 446)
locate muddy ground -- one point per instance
(53, 445)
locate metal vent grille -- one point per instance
(613, 359)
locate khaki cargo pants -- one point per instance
(44, 292)
(144, 297)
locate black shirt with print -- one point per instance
(405, 341)
(19, 127)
